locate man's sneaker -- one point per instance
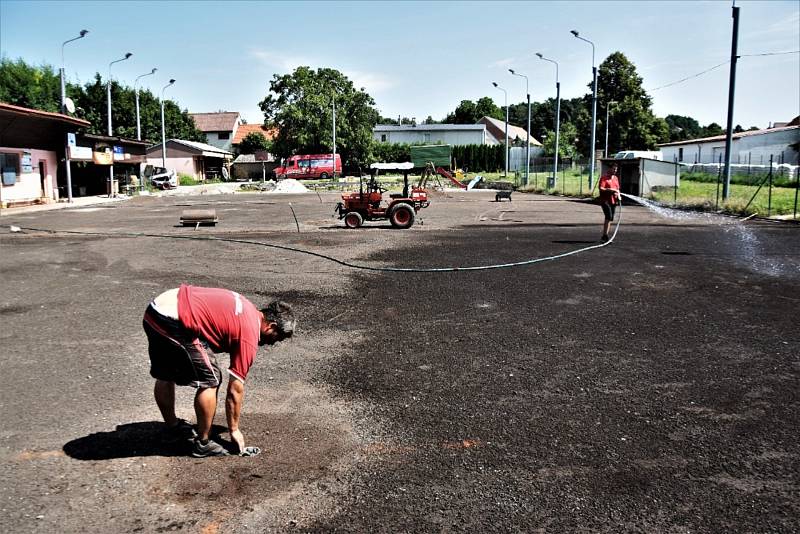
(604, 238)
(209, 448)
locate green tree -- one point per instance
(40, 88)
(299, 106)
(566, 141)
(712, 130)
(469, 112)
(632, 123)
(253, 142)
(682, 127)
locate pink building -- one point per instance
(32, 145)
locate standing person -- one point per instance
(182, 325)
(609, 196)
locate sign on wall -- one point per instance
(71, 139)
(103, 154)
(27, 163)
(80, 152)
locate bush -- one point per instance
(187, 179)
(742, 179)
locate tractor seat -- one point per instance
(395, 195)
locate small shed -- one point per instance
(250, 167)
(638, 176)
(198, 160)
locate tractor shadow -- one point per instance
(146, 438)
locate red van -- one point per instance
(310, 166)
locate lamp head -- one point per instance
(540, 55)
(84, 32)
(494, 83)
(511, 71)
(172, 81)
(128, 55)
(153, 71)
(574, 32)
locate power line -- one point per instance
(721, 64)
(692, 76)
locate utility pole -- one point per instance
(726, 184)
(334, 136)
(64, 110)
(528, 139)
(558, 117)
(594, 110)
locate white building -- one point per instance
(754, 147)
(436, 134)
(220, 128)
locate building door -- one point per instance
(43, 177)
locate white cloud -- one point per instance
(373, 82)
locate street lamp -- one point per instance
(506, 103)
(136, 90)
(108, 89)
(608, 107)
(63, 106)
(528, 142)
(594, 108)
(333, 103)
(163, 135)
(558, 116)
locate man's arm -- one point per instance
(233, 409)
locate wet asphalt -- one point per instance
(647, 386)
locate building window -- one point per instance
(426, 138)
(680, 154)
(223, 135)
(9, 167)
(383, 138)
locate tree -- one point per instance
(633, 124)
(682, 127)
(712, 130)
(469, 112)
(299, 107)
(253, 142)
(40, 88)
(566, 141)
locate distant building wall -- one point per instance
(420, 135)
(28, 185)
(755, 149)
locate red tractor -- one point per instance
(368, 203)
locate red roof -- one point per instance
(223, 121)
(245, 129)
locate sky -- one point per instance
(422, 58)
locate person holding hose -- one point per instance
(609, 196)
(185, 327)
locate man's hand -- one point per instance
(238, 439)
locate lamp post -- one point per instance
(594, 109)
(63, 106)
(528, 140)
(110, 133)
(608, 107)
(136, 90)
(333, 101)
(506, 104)
(558, 117)
(163, 137)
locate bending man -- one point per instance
(609, 197)
(185, 327)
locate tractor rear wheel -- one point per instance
(353, 219)
(402, 216)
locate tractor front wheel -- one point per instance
(353, 219)
(402, 216)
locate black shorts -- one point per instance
(608, 210)
(177, 355)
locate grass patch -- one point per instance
(703, 195)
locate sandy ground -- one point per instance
(647, 386)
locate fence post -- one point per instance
(796, 187)
(769, 195)
(675, 185)
(749, 159)
(719, 175)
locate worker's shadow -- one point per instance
(147, 438)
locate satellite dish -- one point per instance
(225, 174)
(69, 105)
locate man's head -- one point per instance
(277, 323)
(614, 168)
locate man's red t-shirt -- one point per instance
(608, 181)
(228, 321)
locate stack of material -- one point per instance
(199, 217)
(290, 185)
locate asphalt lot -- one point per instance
(647, 386)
